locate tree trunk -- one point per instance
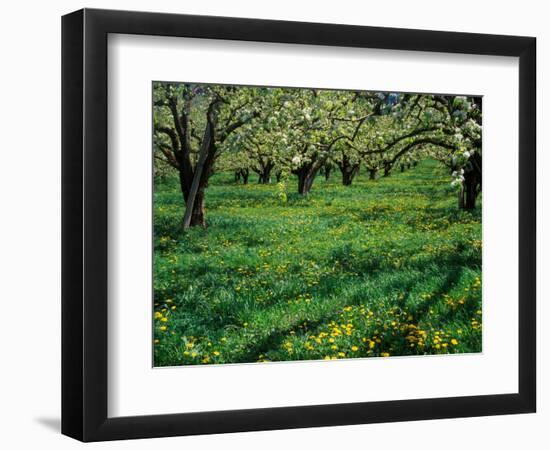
(265, 175)
(469, 191)
(278, 176)
(302, 175)
(348, 170)
(387, 169)
(402, 167)
(349, 174)
(244, 175)
(237, 176)
(305, 180)
(197, 215)
(372, 174)
(471, 186)
(194, 208)
(327, 172)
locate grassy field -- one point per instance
(381, 268)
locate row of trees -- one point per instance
(279, 132)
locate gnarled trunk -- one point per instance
(265, 177)
(348, 174)
(306, 175)
(197, 214)
(469, 191)
(348, 169)
(471, 186)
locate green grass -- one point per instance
(381, 268)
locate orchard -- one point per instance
(299, 224)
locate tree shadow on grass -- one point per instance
(274, 340)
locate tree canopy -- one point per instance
(285, 132)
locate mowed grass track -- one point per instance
(381, 268)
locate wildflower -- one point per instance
(385, 354)
(454, 341)
(163, 328)
(354, 348)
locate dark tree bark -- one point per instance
(327, 171)
(306, 175)
(349, 170)
(244, 175)
(194, 177)
(402, 167)
(278, 176)
(387, 168)
(349, 174)
(471, 186)
(197, 214)
(372, 174)
(265, 173)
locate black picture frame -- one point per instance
(84, 224)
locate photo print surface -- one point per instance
(311, 224)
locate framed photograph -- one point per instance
(273, 224)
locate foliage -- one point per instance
(300, 132)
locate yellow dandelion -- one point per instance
(354, 348)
